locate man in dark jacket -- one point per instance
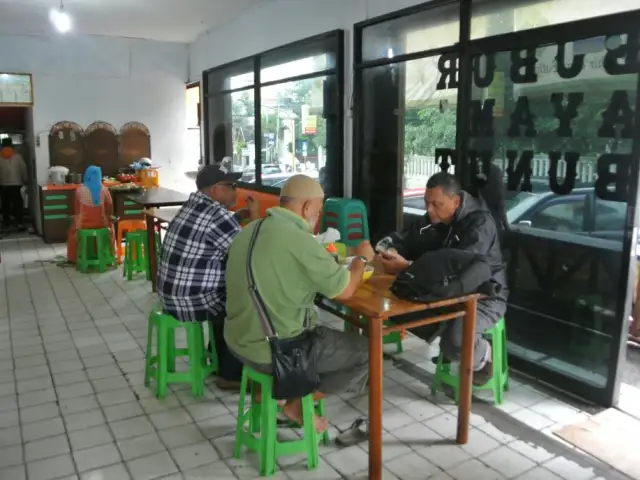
(454, 219)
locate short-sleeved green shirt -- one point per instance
(290, 267)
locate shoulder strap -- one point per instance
(267, 325)
(269, 330)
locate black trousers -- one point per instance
(12, 204)
(229, 367)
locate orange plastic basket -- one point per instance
(149, 177)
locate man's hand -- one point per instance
(242, 214)
(393, 262)
(254, 208)
(365, 250)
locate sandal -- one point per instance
(358, 432)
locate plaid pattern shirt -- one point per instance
(190, 281)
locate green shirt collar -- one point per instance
(284, 214)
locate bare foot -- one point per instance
(321, 424)
(293, 411)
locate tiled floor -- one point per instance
(73, 404)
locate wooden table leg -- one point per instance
(376, 374)
(466, 371)
(151, 247)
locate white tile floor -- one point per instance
(73, 404)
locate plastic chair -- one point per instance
(162, 365)
(499, 381)
(349, 217)
(256, 427)
(95, 249)
(135, 260)
(125, 226)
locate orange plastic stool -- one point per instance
(125, 226)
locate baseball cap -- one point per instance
(212, 174)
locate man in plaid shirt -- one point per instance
(191, 271)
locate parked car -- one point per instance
(275, 180)
(278, 183)
(249, 173)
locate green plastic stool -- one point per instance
(349, 217)
(389, 338)
(262, 419)
(99, 253)
(134, 255)
(162, 365)
(499, 381)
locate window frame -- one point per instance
(198, 84)
(289, 52)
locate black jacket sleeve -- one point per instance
(418, 237)
(477, 234)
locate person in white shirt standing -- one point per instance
(13, 175)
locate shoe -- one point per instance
(445, 360)
(482, 376)
(229, 385)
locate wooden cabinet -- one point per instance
(124, 208)
(56, 209)
(57, 206)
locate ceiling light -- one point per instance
(60, 19)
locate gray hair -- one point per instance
(446, 181)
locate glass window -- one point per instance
(609, 217)
(408, 133)
(495, 17)
(426, 30)
(296, 126)
(560, 216)
(293, 130)
(234, 76)
(303, 58)
(429, 125)
(414, 201)
(537, 127)
(303, 66)
(231, 119)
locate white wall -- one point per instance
(116, 80)
(284, 21)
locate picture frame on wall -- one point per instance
(16, 89)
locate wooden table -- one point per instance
(159, 197)
(155, 217)
(156, 198)
(374, 301)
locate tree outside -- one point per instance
(279, 103)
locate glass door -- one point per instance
(556, 114)
(552, 106)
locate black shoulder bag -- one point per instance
(294, 368)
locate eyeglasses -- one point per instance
(231, 185)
